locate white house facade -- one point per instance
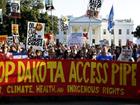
(96, 30)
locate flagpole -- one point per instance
(111, 22)
(114, 38)
(52, 21)
(93, 12)
(50, 7)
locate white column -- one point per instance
(114, 38)
(81, 29)
(70, 29)
(100, 33)
(61, 33)
(110, 37)
(90, 35)
(69, 32)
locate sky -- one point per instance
(123, 9)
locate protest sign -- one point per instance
(125, 55)
(75, 39)
(35, 35)
(15, 29)
(15, 6)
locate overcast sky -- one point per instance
(123, 9)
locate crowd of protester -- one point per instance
(60, 51)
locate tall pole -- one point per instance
(51, 21)
(3, 5)
(114, 39)
(92, 12)
(50, 7)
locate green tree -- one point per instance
(6, 26)
(54, 24)
(32, 4)
(3, 4)
(29, 12)
(38, 5)
(137, 32)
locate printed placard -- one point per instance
(31, 77)
(15, 6)
(35, 35)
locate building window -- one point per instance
(65, 33)
(112, 31)
(120, 31)
(57, 32)
(120, 42)
(93, 41)
(75, 30)
(84, 30)
(93, 31)
(112, 41)
(104, 31)
(127, 32)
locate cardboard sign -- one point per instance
(35, 35)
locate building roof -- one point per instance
(85, 19)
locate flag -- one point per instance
(110, 19)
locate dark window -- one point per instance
(127, 32)
(93, 40)
(104, 31)
(112, 41)
(120, 42)
(120, 31)
(112, 31)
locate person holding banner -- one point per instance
(38, 54)
(126, 54)
(104, 54)
(5, 52)
(30, 53)
(138, 53)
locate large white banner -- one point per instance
(75, 39)
(15, 6)
(35, 35)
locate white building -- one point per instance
(97, 30)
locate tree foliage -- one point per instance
(2, 3)
(29, 12)
(137, 32)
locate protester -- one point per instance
(61, 51)
(104, 55)
(126, 54)
(5, 52)
(38, 54)
(134, 54)
(45, 53)
(117, 52)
